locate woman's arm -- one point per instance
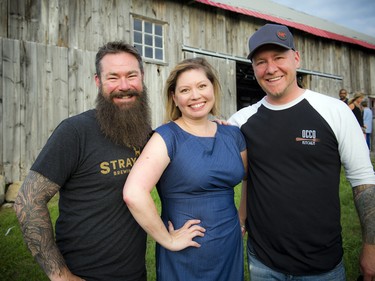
(242, 208)
(137, 194)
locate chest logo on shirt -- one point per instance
(308, 137)
(119, 166)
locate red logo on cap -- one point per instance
(281, 35)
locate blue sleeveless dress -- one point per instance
(198, 184)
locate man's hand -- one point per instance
(367, 262)
(221, 122)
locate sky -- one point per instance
(358, 15)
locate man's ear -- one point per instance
(297, 59)
(97, 80)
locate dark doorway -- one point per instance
(248, 89)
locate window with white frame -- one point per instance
(148, 38)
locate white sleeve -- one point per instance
(240, 117)
(354, 153)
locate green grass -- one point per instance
(17, 264)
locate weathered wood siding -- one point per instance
(41, 86)
(48, 48)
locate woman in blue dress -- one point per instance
(195, 164)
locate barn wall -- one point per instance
(47, 50)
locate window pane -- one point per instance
(148, 27)
(158, 30)
(137, 25)
(148, 40)
(158, 42)
(159, 54)
(139, 48)
(148, 52)
(137, 37)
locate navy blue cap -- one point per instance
(271, 34)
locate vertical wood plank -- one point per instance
(16, 19)
(82, 88)
(11, 108)
(154, 80)
(59, 98)
(4, 18)
(89, 89)
(53, 22)
(29, 118)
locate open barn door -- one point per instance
(248, 89)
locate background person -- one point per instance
(343, 95)
(297, 140)
(195, 163)
(367, 121)
(356, 107)
(87, 160)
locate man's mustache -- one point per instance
(130, 93)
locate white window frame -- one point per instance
(148, 40)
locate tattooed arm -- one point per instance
(36, 226)
(364, 198)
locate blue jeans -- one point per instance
(368, 140)
(260, 272)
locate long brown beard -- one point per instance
(129, 126)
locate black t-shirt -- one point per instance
(297, 176)
(95, 231)
(358, 115)
(294, 155)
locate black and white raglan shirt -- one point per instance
(295, 153)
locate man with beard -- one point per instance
(87, 160)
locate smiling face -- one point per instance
(194, 94)
(275, 69)
(120, 79)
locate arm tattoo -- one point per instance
(35, 221)
(365, 203)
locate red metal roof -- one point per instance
(303, 27)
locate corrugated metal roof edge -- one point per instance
(309, 29)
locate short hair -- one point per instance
(116, 47)
(343, 91)
(173, 112)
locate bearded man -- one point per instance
(87, 160)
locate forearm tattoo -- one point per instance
(35, 222)
(364, 198)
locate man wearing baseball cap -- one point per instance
(273, 34)
(297, 140)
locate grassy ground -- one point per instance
(17, 264)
